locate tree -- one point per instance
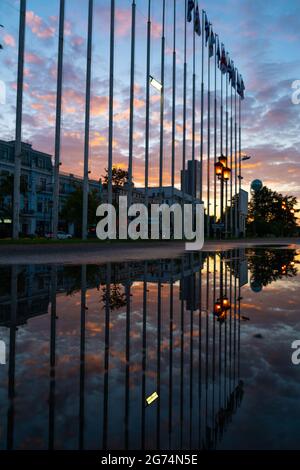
(72, 209)
(7, 190)
(119, 177)
(271, 213)
(267, 266)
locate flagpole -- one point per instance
(87, 124)
(183, 188)
(194, 116)
(226, 143)
(240, 154)
(215, 138)
(202, 107)
(221, 153)
(208, 135)
(131, 106)
(111, 99)
(231, 160)
(235, 160)
(18, 135)
(161, 147)
(173, 103)
(58, 118)
(147, 122)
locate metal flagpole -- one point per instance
(235, 161)
(183, 188)
(240, 156)
(18, 141)
(173, 103)
(85, 200)
(147, 121)
(193, 117)
(202, 106)
(111, 99)
(226, 144)
(215, 137)
(131, 112)
(208, 134)
(231, 160)
(161, 147)
(58, 119)
(221, 151)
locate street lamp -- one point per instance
(223, 173)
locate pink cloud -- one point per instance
(9, 40)
(38, 26)
(32, 58)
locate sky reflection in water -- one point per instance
(86, 345)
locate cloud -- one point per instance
(9, 40)
(38, 26)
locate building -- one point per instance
(36, 189)
(191, 178)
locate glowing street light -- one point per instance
(155, 83)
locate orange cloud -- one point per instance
(99, 105)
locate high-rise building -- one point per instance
(190, 178)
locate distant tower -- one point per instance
(256, 186)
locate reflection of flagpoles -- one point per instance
(111, 99)
(12, 357)
(106, 356)
(171, 356)
(161, 147)
(193, 117)
(173, 104)
(158, 357)
(127, 384)
(18, 142)
(82, 357)
(144, 355)
(131, 106)
(58, 119)
(214, 347)
(182, 354)
(230, 321)
(52, 358)
(191, 354)
(87, 124)
(200, 354)
(207, 341)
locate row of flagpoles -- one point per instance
(229, 147)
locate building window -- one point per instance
(43, 184)
(39, 207)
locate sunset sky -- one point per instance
(261, 36)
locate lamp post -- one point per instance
(223, 173)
